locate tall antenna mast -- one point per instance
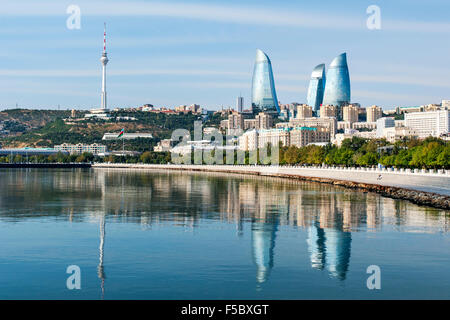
(104, 60)
(104, 38)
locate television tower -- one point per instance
(104, 60)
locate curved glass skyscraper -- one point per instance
(264, 96)
(316, 87)
(337, 87)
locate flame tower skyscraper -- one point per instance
(104, 60)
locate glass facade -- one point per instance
(264, 97)
(337, 87)
(316, 87)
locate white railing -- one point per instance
(401, 171)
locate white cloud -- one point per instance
(220, 13)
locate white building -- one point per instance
(200, 145)
(80, 148)
(432, 123)
(126, 136)
(383, 123)
(364, 125)
(394, 134)
(445, 104)
(298, 136)
(249, 140)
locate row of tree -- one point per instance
(431, 153)
(146, 157)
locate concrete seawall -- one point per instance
(425, 188)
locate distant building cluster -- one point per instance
(297, 136)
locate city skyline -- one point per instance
(169, 54)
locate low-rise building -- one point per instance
(364, 125)
(273, 137)
(328, 123)
(394, 134)
(127, 136)
(164, 145)
(298, 136)
(80, 148)
(303, 136)
(383, 123)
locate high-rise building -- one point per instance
(433, 123)
(337, 86)
(316, 87)
(304, 111)
(383, 123)
(240, 104)
(327, 111)
(264, 121)
(264, 97)
(235, 122)
(373, 113)
(350, 114)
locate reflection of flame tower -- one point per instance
(100, 268)
(263, 244)
(104, 60)
(330, 247)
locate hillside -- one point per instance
(32, 119)
(55, 131)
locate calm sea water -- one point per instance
(174, 235)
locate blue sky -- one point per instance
(169, 53)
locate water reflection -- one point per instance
(329, 214)
(263, 245)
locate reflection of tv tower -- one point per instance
(100, 268)
(104, 60)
